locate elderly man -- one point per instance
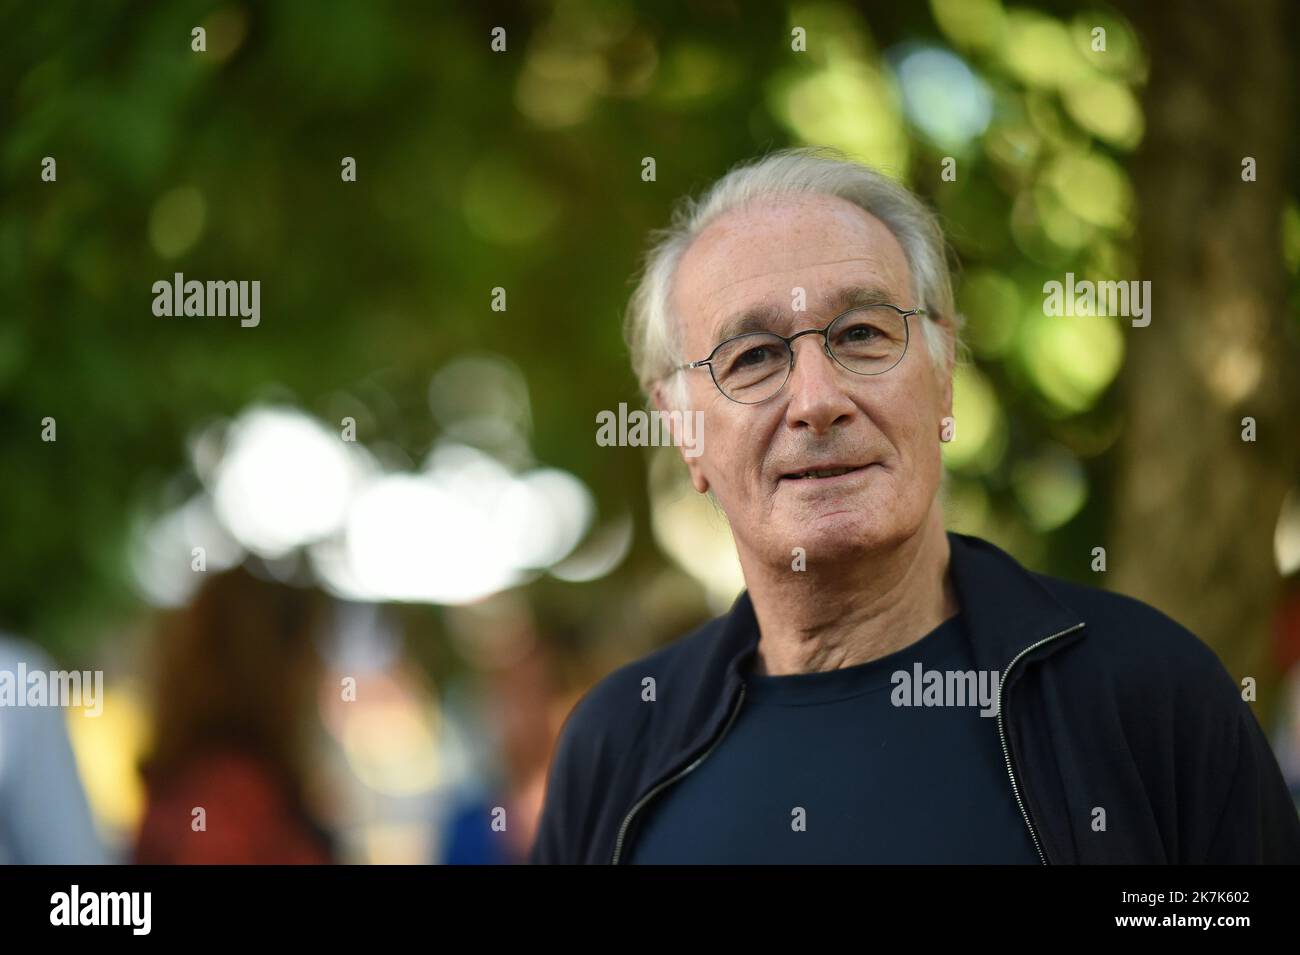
(834, 715)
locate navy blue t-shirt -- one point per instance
(826, 768)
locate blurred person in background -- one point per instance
(519, 697)
(44, 816)
(235, 684)
(1286, 652)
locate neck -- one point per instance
(855, 611)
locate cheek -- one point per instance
(911, 443)
(925, 393)
(912, 426)
(734, 451)
(718, 460)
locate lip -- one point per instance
(852, 475)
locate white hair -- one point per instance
(652, 331)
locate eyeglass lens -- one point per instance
(753, 368)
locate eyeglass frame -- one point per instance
(826, 347)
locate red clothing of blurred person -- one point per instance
(250, 817)
(234, 689)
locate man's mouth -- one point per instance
(822, 473)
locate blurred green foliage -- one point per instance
(520, 170)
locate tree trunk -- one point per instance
(1195, 504)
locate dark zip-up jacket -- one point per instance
(1106, 703)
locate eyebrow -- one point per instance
(762, 318)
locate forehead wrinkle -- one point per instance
(868, 260)
(876, 258)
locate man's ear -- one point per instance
(659, 398)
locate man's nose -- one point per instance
(816, 385)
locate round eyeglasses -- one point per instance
(867, 340)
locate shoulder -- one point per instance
(27, 729)
(612, 717)
(248, 817)
(606, 737)
(1140, 648)
(612, 707)
(221, 777)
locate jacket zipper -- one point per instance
(1006, 752)
(622, 830)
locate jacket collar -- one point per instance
(1004, 608)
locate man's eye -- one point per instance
(754, 356)
(860, 333)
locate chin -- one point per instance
(838, 534)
